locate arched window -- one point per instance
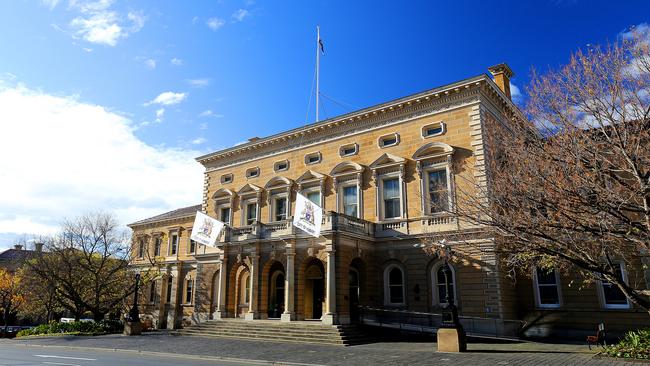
(170, 281)
(439, 284)
(246, 288)
(394, 285)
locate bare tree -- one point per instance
(88, 265)
(569, 182)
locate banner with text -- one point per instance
(206, 230)
(308, 216)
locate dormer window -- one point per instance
(433, 129)
(226, 178)
(281, 166)
(252, 173)
(389, 140)
(313, 158)
(349, 150)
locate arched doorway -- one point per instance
(214, 293)
(354, 295)
(314, 290)
(276, 291)
(243, 291)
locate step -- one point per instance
(302, 331)
(274, 335)
(276, 339)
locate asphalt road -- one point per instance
(45, 356)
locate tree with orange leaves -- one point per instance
(11, 297)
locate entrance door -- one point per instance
(318, 297)
(276, 295)
(354, 295)
(314, 294)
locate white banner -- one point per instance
(206, 230)
(308, 216)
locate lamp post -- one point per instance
(450, 311)
(132, 325)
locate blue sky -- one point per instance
(145, 86)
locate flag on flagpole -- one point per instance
(206, 230)
(322, 46)
(307, 216)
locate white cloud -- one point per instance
(50, 3)
(98, 23)
(168, 98)
(160, 113)
(176, 61)
(198, 141)
(70, 157)
(198, 83)
(210, 113)
(241, 14)
(150, 63)
(515, 93)
(215, 23)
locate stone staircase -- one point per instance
(274, 330)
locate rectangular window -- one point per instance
(391, 198)
(251, 213)
(389, 140)
(157, 245)
(350, 202)
(188, 291)
(224, 215)
(192, 246)
(548, 293)
(434, 129)
(438, 191)
(613, 297)
(140, 248)
(280, 209)
(314, 197)
(173, 244)
(312, 158)
(348, 150)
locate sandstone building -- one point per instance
(384, 176)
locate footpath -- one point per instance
(381, 353)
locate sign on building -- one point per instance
(307, 216)
(206, 230)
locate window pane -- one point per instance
(192, 246)
(225, 214)
(614, 295)
(188, 294)
(314, 197)
(280, 209)
(395, 277)
(169, 290)
(546, 278)
(438, 191)
(251, 213)
(391, 188)
(442, 288)
(391, 198)
(548, 295)
(350, 200)
(396, 294)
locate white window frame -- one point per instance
(141, 248)
(380, 191)
(387, 271)
(188, 280)
(189, 244)
(249, 172)
(220, 208)
(312, 154)
(306, 191)
(355, 146)
(157, 244)
(273, 200)
(275, 166)
(170, 241)
(601, 291)
(442, 125)
(435, 300)
(538, 297)
(244, 216)
(341, 191)
(425, 185)
(381, 139)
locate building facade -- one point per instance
(387, 177)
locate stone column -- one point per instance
(221, 311)
(173, 320)
(253, 313)
(289, 284)
(330, 317)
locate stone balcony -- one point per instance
(336, 222)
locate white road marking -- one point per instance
(60, 364)
(67, 358)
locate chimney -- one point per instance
(18, 247)
(502, 75)
(253, 139)
(38, 247)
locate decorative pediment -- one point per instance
(346, 167)
(278, 182)
(310, 176)
(223, 193)
(249, 189)
(433, 150)
(387, 160)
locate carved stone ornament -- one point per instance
(311, 252)
(239, 257)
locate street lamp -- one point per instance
(132, 325)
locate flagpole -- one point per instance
(317, 68)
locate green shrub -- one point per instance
(634, 344)
(85, 327)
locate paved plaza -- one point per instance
(420, 352)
